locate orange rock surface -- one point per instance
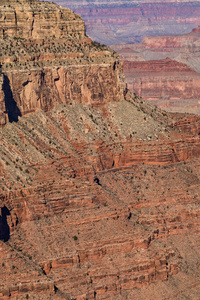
(168, 84)
(46, 63)
(99, 199)
(103, 203)
(165, 70)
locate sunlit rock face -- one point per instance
(33, 19)
(99, 190)
(47, 59)
(165, 70)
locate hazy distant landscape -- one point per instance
(114, 22)
(151, 32)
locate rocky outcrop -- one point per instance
(99, 190)
(42, 20)
(44, 88)
(92, 213)
(48, 64)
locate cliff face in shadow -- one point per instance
(11, 108)
(4, 228)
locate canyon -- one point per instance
(165, 70)
(150, 31)
(114, 22)
(99, 189)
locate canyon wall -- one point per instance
(45, 63)
(166, 83)
(44, 88)
(165, 70)
(88, 210)
(130, 22)
(99, 190)
(113, 22)
(41, 20)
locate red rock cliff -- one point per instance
(47, 63)
(165, 70)
(99, 198)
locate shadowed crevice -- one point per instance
(11, 106)
(4, 228)
(96, 180)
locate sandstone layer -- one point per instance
(99, 195)
(166, 83)
(165, 70)
(100, 203)
(41, 20)
(46, 59)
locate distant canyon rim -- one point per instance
(124, 24)
(114, 22)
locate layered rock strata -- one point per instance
(111, 22)
(166, 83)
(42, 20)
(165, 70)
(51, 62)
(91, 211)
(99, 197)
